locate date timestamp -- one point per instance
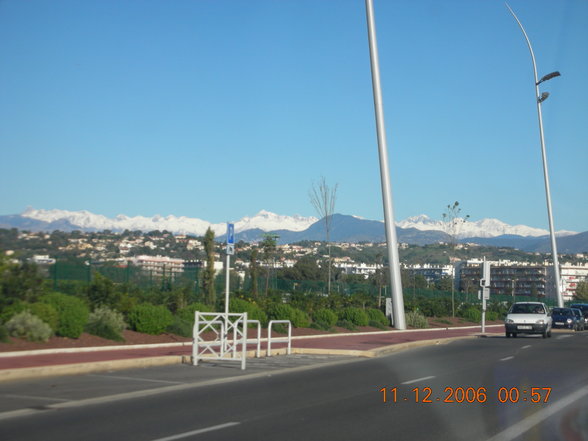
(470, 395)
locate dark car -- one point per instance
(581, 323)
(584, 308)
(565, 318)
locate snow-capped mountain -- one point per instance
(264, 221)
(85, 220)
(482, 228)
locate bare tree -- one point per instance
(323, 199)
(452, 222)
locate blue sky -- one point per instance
(217, 109)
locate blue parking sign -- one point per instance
(230, 234)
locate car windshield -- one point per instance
(527, 308)
(583, 308)
(562, 311)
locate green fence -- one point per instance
(64, 272)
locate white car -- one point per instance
(528, 318)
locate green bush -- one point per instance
(491, 316)
(356, 316)
(45, 312)
(375, 315)
(415, 319)
(28, 326)
(11, 310)
(471, 314)
(253, 311)
(187, 313)
(150, 319)
(182, 327)
(324, 318)
(434, 307)
(297, 317)
(376, 324)
(3, 334)
(72, 312)
(347, 325)
(106, 323)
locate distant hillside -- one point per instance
(576, 243)
(345, 228)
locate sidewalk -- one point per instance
(52, 362)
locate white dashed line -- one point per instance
(196, 432)
(507, 358)
(417, 380)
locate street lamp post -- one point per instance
(540, 98)
(391, 239)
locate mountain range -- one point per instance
(417, 230)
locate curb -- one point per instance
(88, 368)
(189, 343)
(166, 360)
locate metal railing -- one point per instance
(258, 340)
(269, 336)
(221, 347)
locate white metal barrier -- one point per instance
(225, 345)
(269, 336)
(258, 348)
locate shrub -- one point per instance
(416, 320)
(72, 312)
(150, 319)
(375, 315)
(471, 314)
(297, 317)
(253, 311)
(182, 327)
(376, 324)
(106, 323)
(356, 316)
(491, 316)
(3, 334)
(28, 326)
(11, 310)
(45, 312)
(346, 324)
(324, 318)
(187, 313)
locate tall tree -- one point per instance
(582, 291)
(452, 222)
(254, 272)
(208, 280)
(269, 245)
(323, 198)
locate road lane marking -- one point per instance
(197, 432)
(507, 358)
(538, 417)
(526, 347)
(417, 380)
(559, 337)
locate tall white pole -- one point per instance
(394, 261)
(545, 171)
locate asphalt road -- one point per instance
(341, 401)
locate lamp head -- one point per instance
(543, 97)
(549, 76)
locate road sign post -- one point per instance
(484, 292)
(230, 251)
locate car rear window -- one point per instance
(527, 309)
